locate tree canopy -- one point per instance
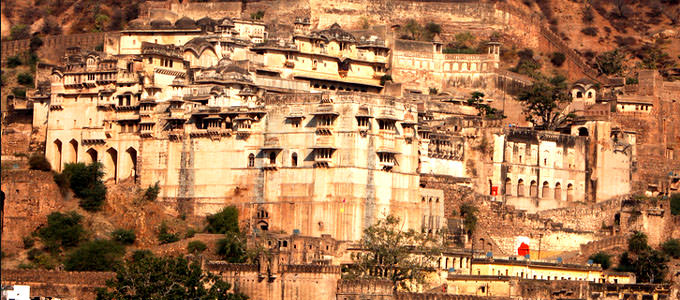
(544, 100)
(149, 277)
(97, 255)
(400, 256)
(225, 221)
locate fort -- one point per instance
(316, 130)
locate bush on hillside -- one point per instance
(602, 258)
(124, 236)
(29, 242)
(25, 79)
(97, 255)
(13, 61)
(671, 248)
(19, 92)
(151, 192)
(86, 183)
(557, 59)
(225, 221)
(232, 248)
(195, 247)
(591, 31)
(675, 204)
(63, 230)
(39, 162)
(165, 236)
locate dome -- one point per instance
(206, 21)
(185, 23)
(161, 24)
(136, 24)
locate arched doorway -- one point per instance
(508, 187)
(56, 160)
(570, 192)
(91, 156)
(131, 163)
(73, 156)
(583, 131)
(545, 191)
(558, 191)
(533, 189)
(520, 188)
(111, 164)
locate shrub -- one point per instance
(433, 91)
(610, 63)
(385, 78)
(62, 182)
(25, 266)
(33, 253)
(19, 32)
(257, 15)
(138, 255)
(19, 92)
(675, 204)
(165, 236)
(97, 255)
(631, 80)
(588, 15)
(557, 59)
(232, 248)
(151, 192)
(527, 65)
(602, 258)
(13, 61)
(196, 247)
(29, 242)
(225, 221)
(86, 183)
(671, 248)
(45, 261)
(39, 162)
(51, 26)
(190, 233)
(124, 236)
(36, 43)
(25, 79)
(62, 230)
(591, 31)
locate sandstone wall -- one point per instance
(54, 46)
(29, 197)
(65, 285)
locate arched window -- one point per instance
(508, 187)
(545, 193)
(590, 94)
(583, 131)
(558, 191)
(533, 189)
(570, 192)
(272, 157)
(520, 188)
(251, 160)
(579, 95)
(294, 160)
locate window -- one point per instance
(363, 121)
(251, 160)
(295, 123)
(272, 158)
(294, 160)
(150, 60)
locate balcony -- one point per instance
(94, 135)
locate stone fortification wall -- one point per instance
(54, 46)
(65, 285)
(584, 217)
(29, 197)
(620, 241)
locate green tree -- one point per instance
(100, 21)
(610, 63)
(393, 254)
(124, 236)
(158, 278)
(35, 44)
(413, 29)
(637, 243)
(232, 248)
(527, 65)
(675, 204)
(602, 258)
(257, 15)
(19, 92)
(13, 61)
(39, 162)
(86, 183)
(431, 30)
(97, 255)
(195, 247)
(477, 100)
(225, 221)
(671, 248)
(62, 230)
(151, 192)
(543, 100)
(469, 213)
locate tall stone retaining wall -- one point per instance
(54, 46)
(57, 284)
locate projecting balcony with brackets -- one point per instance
(243, 125)
(325, 119)
(387, 159)
(323, 156)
